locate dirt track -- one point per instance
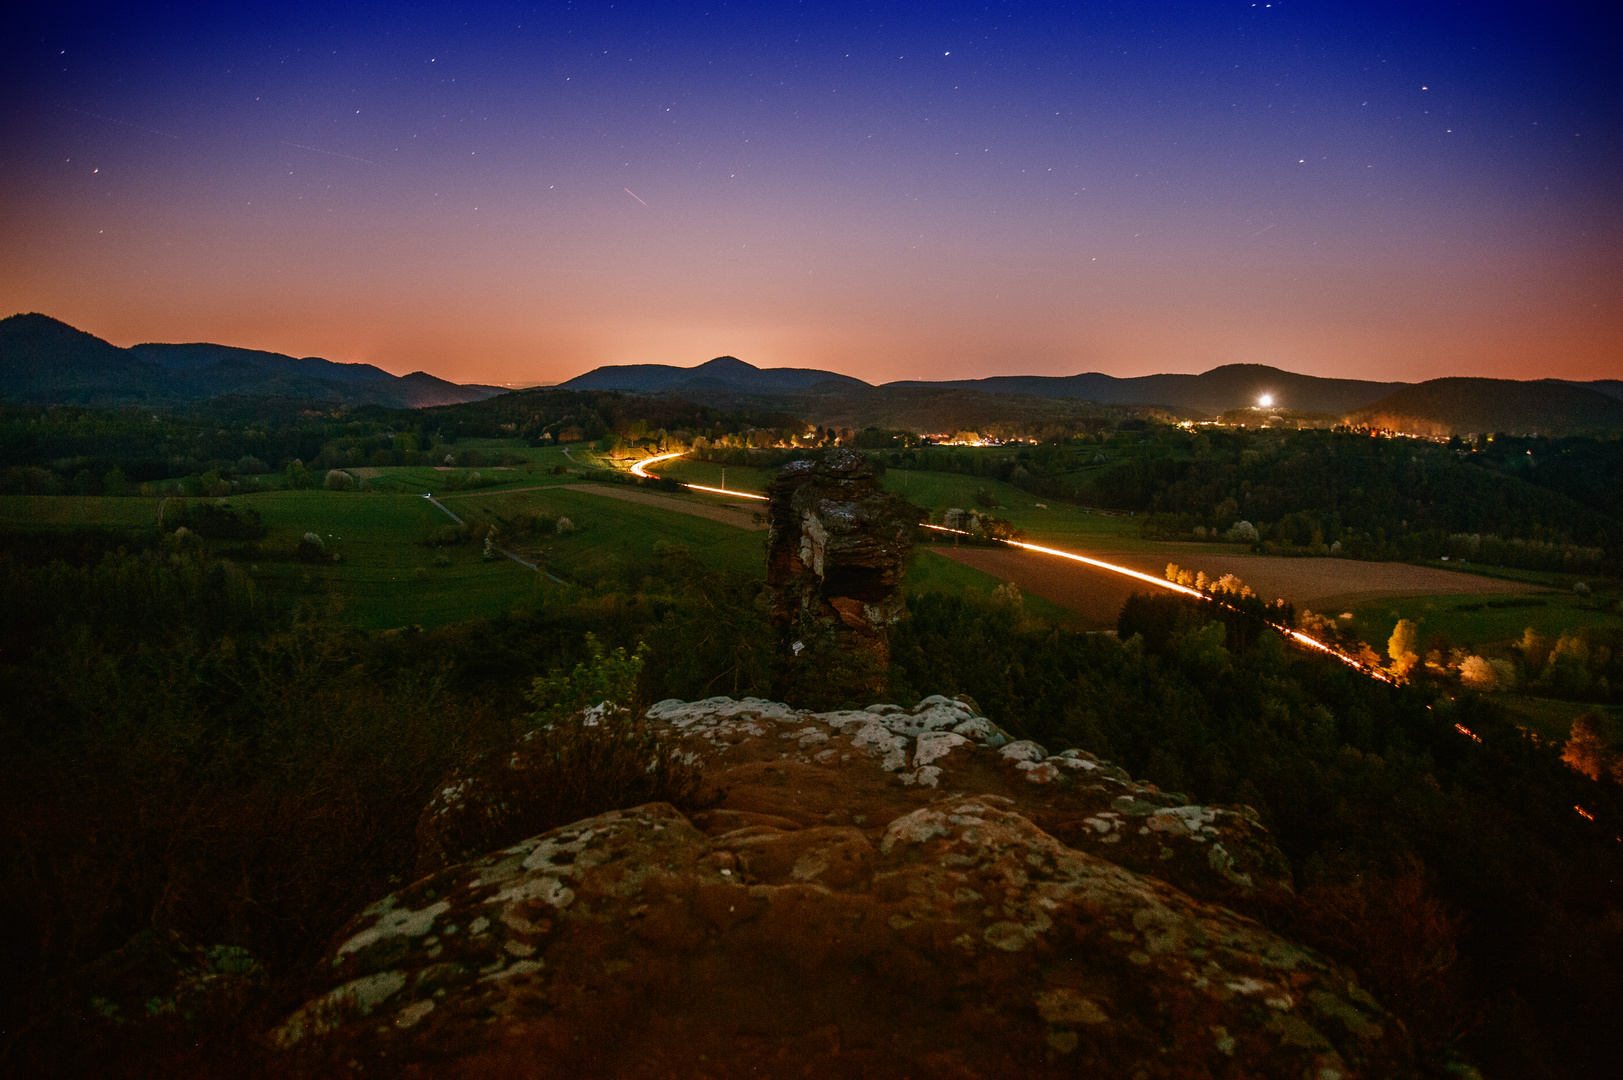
(1097, 595)
(727, 515)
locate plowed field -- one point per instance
(1097, 595)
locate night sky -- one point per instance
(518, 193)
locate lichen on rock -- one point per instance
(948, 916)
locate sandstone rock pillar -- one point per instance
(837, 547)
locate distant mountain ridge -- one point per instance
(1221, 388)
(1462, 406)
(1441, 406)
(45, 361)
(1227, 387)
(722, 373)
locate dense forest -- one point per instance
(1534, 503)
(230, 444)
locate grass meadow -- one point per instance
(1479, 621)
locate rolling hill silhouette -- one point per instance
(44, 361)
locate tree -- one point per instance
(1402, 647)
(608, 679)
(1590, 748)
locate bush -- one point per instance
(585, 763)
(338, 480)
(1241, 532)
(215, 521)
(311, 548)
(603, 679)
(448, 535)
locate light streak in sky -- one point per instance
(113, 120)
(329, 153)
(634, 195)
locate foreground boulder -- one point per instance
(845, 912)
(965, 942)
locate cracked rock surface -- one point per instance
(881, 893)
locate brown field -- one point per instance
(726, 513)
(1322, 584)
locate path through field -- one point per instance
(1097, 595)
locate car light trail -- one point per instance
(1149, 579)
(1293, 635)
(726, 491)
(1112, 567)
(639, 469)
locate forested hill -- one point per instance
(1459, 406)
(44, 361)
(722, 373)
(1231, 386)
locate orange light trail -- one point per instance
(1100, 564)
(1150, 579)
(726, 491)
(640, 468)
(1294, 635)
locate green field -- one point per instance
(77, 511)
(611, 535)
(378, 540)
(737, 477)
(1469, 622)
(1550, 719)
(1044, 521)
(930, 572)
(386, 577)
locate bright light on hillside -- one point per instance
(1266, 401)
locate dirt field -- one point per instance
(725, 513)
(1320, 584)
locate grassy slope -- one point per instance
(76, 511)
(377, 537)
(1467, 622)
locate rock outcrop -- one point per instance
(837, 548)
(884, 892)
